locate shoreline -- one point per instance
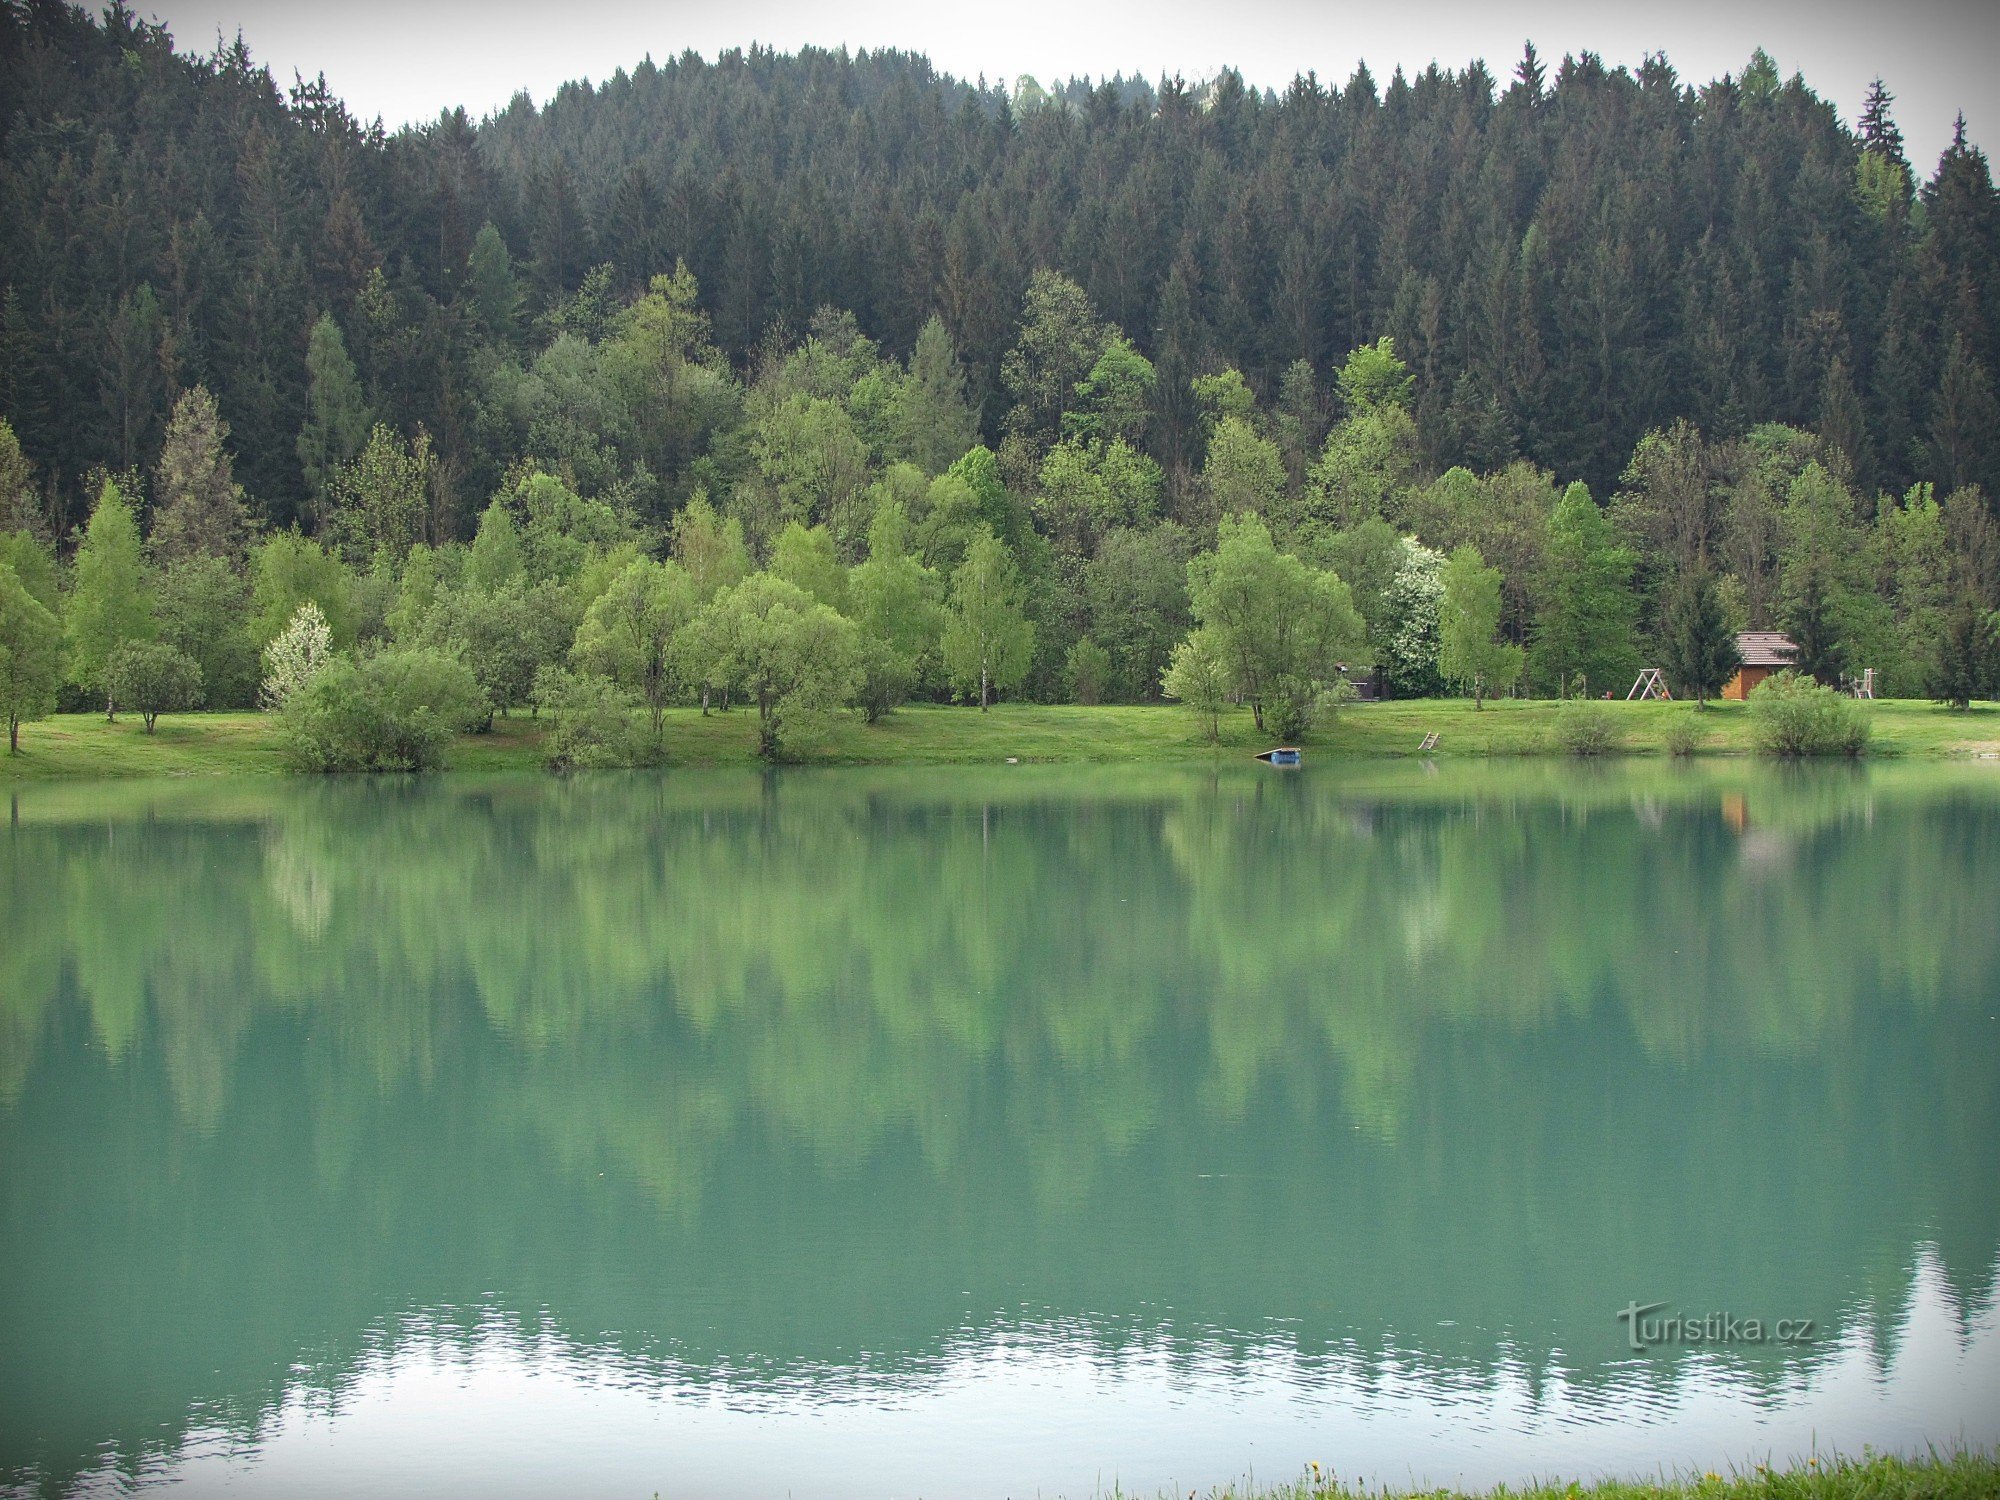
(80, 746)
(1944, 1474)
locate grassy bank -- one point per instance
(84, 745)
(1961, 1476)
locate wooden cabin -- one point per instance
(1763, 652)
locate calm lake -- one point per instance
(995, 1131)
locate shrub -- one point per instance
(590, 722)
(1089, 670)
(1794, 715)
(152, 678)
(1684, 735)
(392, 712)
(1585, 728)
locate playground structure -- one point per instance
(1649, 684)
(1864, 685)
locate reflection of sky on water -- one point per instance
(1043, 1409)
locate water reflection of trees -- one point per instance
(1155, 1051)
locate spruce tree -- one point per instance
(1697, 646)
(198, 505)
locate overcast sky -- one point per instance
(406, 59)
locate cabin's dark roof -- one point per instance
(1766, 648)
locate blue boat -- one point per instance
(1284, 755)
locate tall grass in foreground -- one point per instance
(1957, 1475)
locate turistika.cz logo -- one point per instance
(1645, 1331)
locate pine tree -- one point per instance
(1879, 133)
(1965, 425)
(1696, 644)
(198, 505)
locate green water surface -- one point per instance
(979, 1132)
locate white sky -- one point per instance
(406, 59)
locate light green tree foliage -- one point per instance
(991, 505)
(1912, 558)
(1135, 591)
(1508, 521)
(1368, 557)
(1374, 379)
(1199, 675)
(110, 601)
(1793, 715)
(20, 507)
(1285, 629)
(573, 413)
(497, 558)
(506, 635)
(296, 655)
(894, 600)
(931, 419)
(589, 722)
(1087, 488)
(31, 649)
(1366, 470)
(710, 547)
(153, 678)
(562, 530)
(1441, 514)
(792, 656)
(1114, 400)
(337, 416)
(1368, 464)
(1470, 651)
(631, 632)
(202, 605)
(394, 711)
(381, 499)
(1584, 629)
(427, 573)
(673, 383)
(1223, 396)
(34, 563)
(496, 296)
(1059, 345)
(286, 571)
(989, 642)
(810, 466)
(1242, 471)
(804, 556)
(198, 505)
(1088, 670)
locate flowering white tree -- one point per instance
(1411, 607)
(296, 655)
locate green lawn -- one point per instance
(1958, 1476)
(84, 745)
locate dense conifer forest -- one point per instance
(1016, 385)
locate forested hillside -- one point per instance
(1392, 319)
